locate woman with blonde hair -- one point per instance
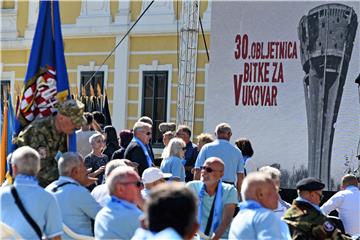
(173, 159)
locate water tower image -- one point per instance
(326, 36)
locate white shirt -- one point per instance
(347, 203)
(101, 194)
(281, 208)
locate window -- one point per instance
(97, 82)
(154, 101)
(5, 90)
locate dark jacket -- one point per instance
(135, 153)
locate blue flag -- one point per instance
(46, 81)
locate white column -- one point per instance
(119, 110)
(33, 12)
(123, 15)
(207, 17)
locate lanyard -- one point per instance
(145, 150)
(217, 208)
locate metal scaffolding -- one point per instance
(187, 65)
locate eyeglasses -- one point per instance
(209, 169)
(148, 133)
(137, 183)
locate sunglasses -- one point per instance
(209, 169)
(137, 183)
(148, 133)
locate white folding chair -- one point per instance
(75, 235)
(7, 232)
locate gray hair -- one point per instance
(117, 176)
(222, 128)
(110, 166)
(146, 119)
(138, 126)
(174, 148)
(252, 182)
(26, 160)
(273, 172)
(93, 137)
(67, 162)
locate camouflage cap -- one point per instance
(74, 110)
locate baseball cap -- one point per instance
(73, 109)
(153, 174)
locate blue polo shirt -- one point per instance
(118, 220)
(40, 205)
(76, 204)
(224, 150)
(257, 222)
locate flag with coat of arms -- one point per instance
(46, 81)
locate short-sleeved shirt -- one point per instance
(347, 203)
(42, 135)
(76, 204)
(259, 223)
(230, 154)
(40, 205)
(229, 196)
(174, 166)
(118, 220)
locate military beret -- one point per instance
(310, 184)
(74, 110)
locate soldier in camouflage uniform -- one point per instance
(48, 136)
(304, 217)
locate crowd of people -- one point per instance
(114, 187)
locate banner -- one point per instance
(284, 75)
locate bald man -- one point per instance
(213, 193)
(119, 219)
(347, 203)
(256, 220)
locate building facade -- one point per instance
(140, 78)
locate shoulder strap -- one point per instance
(61, 185)
(210, 219)
(25, 213)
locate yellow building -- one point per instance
(142, 72)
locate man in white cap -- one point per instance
(151, 177)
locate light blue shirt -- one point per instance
(118, 220)
(167, 233)
(231, 155)
(258, 223)
(40, 205)
(76, 204)
(229, 196)
(174, 166)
